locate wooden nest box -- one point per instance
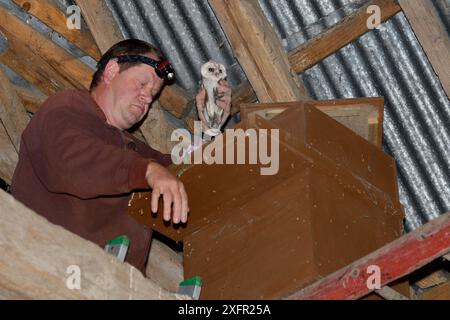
(251, 236)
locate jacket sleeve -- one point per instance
(150, 153)
(69, 157)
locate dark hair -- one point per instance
(129, 47)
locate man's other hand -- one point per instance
(172, 190)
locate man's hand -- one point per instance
(166, 184)
(224, 102)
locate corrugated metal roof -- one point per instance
(387, 62)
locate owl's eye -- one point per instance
(211, 69)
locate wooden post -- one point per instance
(40, 260)
(8, 156)
(432, 36)
(394, 260)
(258, 50)
(12, 112)
(101, 22)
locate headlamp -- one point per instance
(162, 68)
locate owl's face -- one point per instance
(214, 71)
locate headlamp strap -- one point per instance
(163, 68)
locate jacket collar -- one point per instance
(94, 107)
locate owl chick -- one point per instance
(212, 72)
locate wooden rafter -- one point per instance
(258, 50)
(339, 35)
(36, 71)
(432, 35)
(54, 18)
(326, 43)
(40, 61)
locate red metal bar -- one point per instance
(395, 260)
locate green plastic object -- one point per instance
(119, 240)
(118, 247)
(194, 281)
(191, 287)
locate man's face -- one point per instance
(133, 91)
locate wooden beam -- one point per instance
(395, 260)
(106, 33)
(39, 60)
(54, 18)
(101, 22)
(387, 293)
(432, 35)
(36, 71)
(165, 266)
(325, 44)
(242, 94)
(12, 112)
(8, 156)
(434, 279)
(258, 50)
(338, 36)
(157, 130)
(441, 292)
(36, 256)
(31, 101)
(175, 100)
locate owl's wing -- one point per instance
(217, 96)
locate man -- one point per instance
(78, 165)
